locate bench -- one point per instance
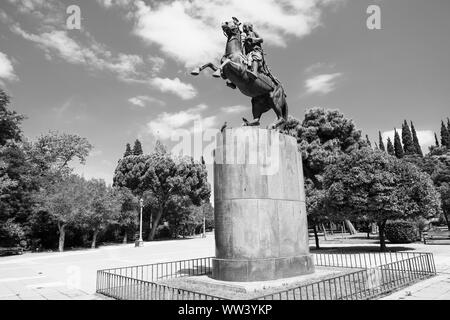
(11, 251)
(435, 236)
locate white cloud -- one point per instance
(142, 101)
(196, 36)
(94, 56)
(166, 123)
(235, 109)
(6, 68)
(425, 137)
(184, 90)
(323, 83)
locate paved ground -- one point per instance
(72, 275)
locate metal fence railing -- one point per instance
(369, 275)
(368, 282)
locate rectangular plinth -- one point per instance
(261, 269)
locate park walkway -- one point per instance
(72, 275)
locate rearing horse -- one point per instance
(265, 92)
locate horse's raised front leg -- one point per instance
(218, 72)
(210, 65)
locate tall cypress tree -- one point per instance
(390, 147)
(381, 143)
(137, 150)
(416, 142)
(407, 139)
(368, 141)
(436, 140)
(399, 153)
(445, 137)
(128, 151)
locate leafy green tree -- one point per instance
(53, 152)
(416, 142)
(372, 186)
(398, 146)
(165, 182)
(322, 137)
(436, 140)
(407, 139)
(65, 201)
(137, 149)
(368, 141)
(128, 151)
(437, 165)
(445, 135)
(102, 208)
(380, 142)
(127, 216)
(10, 121)
(390, 147)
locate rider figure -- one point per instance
(253, 49)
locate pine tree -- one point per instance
(128, 151)
(416, 142)
(160, 148)
(381, 143)
(399, 153)
(390, 147)
(436, 140)
(407, 139)
(445, 136)
(137, 150)
(368, 141)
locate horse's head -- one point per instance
(231, 28)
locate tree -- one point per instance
(445, 136)
(380, 142)
(10, 121)
(65, 201)
(128, 151)
(103, 207)
(407, 139)
(417, 147)
(368, 141)
(437, 165)
(127, 216)
(53, 152)
(398, 146)
(322, 136)
(164, 182)
(137, 149)
(390, 147)
(436, 140)
(372, 186)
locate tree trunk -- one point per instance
(446, 219)
(151, 227)
(94, 239)
(155, 224)
(381, 226)
(324, 232)
(350, 227)
(316, 236)
(62, 236)
(125, 237)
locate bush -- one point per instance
(402, 232)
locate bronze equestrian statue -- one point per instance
(243, 66)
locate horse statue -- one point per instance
(265, 90)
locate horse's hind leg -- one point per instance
(210, 65)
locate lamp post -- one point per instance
(140, 242)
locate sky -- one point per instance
(125, 74)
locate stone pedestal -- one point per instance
(260, 214)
